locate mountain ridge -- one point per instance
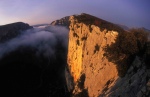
(9, 31)
(92, 73)
(101, 60)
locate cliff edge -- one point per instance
(92, 74)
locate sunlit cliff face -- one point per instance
(76, 65)
(75, 58)
(91, 71)
(93, 74)
(85, 56)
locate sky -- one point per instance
(132, 13)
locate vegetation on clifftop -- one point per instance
(92, 20)
(127, 45)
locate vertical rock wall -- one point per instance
(92, 75)
(85, 57)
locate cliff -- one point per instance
(91, 73)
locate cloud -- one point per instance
(43, 39)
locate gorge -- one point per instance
(76, 56)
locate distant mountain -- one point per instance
(12, 30)
(127, 28)
(147, 30)
(123, 26)
(62, 22)
(38, 25)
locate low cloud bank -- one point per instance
(43, 39)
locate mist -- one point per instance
(33, 63)
(44, 40)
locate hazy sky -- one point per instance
(133, 13)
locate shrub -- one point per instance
(90, 28)
(75, 35)
(147, 59)
(92, 20)
(126, 46)
(78, 42)
(97, 47)
(84, 38)
(72, 29)
(141, 38)
(83, 93)
(81, 81)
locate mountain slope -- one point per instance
(62, 22)
(12, 30)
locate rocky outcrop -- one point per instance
(62, 22)
(134, 84)
(12, 30)
(85, 56)
(92, 74)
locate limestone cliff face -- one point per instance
(91, 73)
(85, 57)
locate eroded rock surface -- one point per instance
(85, 56)
(91, 73)
(134, 84)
